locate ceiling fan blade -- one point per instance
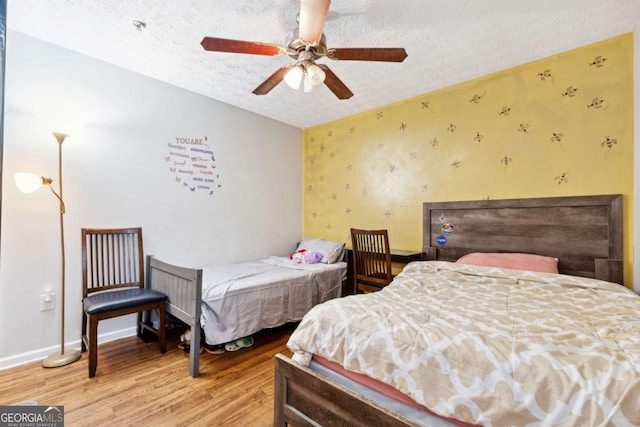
(272, 81)
(216, 44)
(313, 13)
(384, 54)
(334, 84)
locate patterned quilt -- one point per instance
(490, 346)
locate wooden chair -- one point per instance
(371, 260)
(113, 285)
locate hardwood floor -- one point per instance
(137, 385)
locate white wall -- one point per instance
(115, 174)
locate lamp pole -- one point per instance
(55, 360)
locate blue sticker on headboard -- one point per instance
(441, 240)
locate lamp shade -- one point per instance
(294, 77)
(28, 182)
(315, 75)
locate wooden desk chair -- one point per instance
(113, 285)
(371, 260)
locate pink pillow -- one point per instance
(514, 261)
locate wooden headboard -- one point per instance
(583, 232)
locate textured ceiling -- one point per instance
(447, 42)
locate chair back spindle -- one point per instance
(371, 258)
(112, 259)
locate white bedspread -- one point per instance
(242, 298)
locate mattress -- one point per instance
(242, 298)
(383, 394)
(490, 346)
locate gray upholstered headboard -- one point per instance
(583, 232)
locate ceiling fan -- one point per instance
(306, 44)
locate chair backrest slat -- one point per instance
(371, 256)
(112, 258)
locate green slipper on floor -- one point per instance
(239, 343)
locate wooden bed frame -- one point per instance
(183, 287)
(583, 232)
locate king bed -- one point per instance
(232, 301)
(475, 342)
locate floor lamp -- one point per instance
(28, 183)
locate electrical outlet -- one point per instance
(47, 300)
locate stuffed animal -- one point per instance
(313, 257)
(304, 256)
(298, 256)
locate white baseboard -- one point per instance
(39, 354)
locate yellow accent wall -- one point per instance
(559, 126)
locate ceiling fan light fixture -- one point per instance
(294, 77)
(315, 75)
(307, 86)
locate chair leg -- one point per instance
(162, 328)
(141, 319)
(93, 345)
(83, 346)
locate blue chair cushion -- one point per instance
(101, 302)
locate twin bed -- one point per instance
(456, 344)
(232, 301)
